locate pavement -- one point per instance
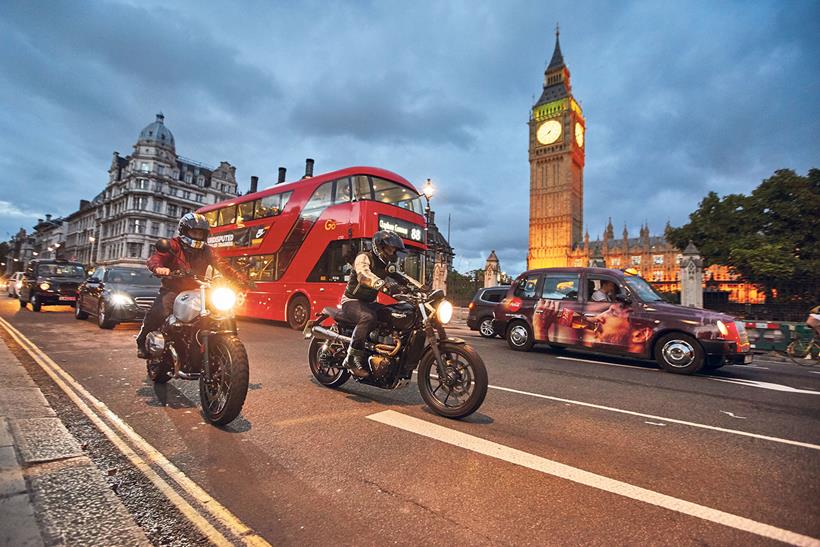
(568, 448)
(50, 491)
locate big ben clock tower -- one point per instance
(556, 169)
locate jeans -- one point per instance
(161, 308)
(366, 316)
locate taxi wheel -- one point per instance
(35, 303)
(679, 353)
(519, 336)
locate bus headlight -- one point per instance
(223, 299)
(444, 312)
(45, 286)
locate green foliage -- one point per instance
(769, 237)
(462, 287)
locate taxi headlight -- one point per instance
(444, 312)
(45, 286)
(119, 300)
(223, 299)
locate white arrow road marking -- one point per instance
(766, 385)
(733, 415)
(560, 470)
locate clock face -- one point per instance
(548, 132)
(579, 134)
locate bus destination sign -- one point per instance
(405, 229)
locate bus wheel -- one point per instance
(298, 312)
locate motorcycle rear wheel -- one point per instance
(325, 375)
(468, 392)
(223, 394)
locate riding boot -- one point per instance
(356, 362)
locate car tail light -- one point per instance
(514, 304)
(471, 305)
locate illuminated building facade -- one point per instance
(556, 154)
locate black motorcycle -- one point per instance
(199, 341)
(452, 377)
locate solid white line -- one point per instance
(550, 467)
(662, 418)
(605, 363)
(77, 392)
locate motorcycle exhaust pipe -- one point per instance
(326, 334)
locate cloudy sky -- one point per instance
(680, 98)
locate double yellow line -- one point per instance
(197, 505)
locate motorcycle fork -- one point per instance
(206, 361)
(433, 340)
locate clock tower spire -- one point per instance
(556, 154)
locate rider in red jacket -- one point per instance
(189, 252)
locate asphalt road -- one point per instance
(567, 448)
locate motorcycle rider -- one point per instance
(369, 276)
(189, 252)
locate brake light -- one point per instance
(514, 304)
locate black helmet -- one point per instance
(383, 240)
(193, 230)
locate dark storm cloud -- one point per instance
(679, 99)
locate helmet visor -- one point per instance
(198, 234)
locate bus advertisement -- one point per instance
(297, 240)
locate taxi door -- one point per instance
(558, 312)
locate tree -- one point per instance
(769, 237)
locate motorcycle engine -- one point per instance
(379, 364)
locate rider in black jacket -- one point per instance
(359, 304)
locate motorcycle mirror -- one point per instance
(163, 245)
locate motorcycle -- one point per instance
(452, 378)
(199, 341)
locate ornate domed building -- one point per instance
(146, 194)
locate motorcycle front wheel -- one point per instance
(462, 393)
(323, 369)
(223, 393)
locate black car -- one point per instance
(50, 283)
(117, 294)
(480, 316)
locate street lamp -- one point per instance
(428, 190)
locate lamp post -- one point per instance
(428, 190)
(92, 239)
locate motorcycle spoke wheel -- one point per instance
(219, 386)
(458, 392)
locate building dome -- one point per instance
(157, 132)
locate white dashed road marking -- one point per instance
(555, 469)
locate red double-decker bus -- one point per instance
(297, 240)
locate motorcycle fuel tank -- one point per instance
(401, 315)
(187, 306)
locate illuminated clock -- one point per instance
(579, 134)
(548, 132)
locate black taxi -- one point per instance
(615, 312)
(50, 283)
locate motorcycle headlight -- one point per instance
(444, 312)
(45, 286)
(223, 299)
(118, 299)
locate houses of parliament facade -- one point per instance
(556, 235)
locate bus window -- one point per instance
(342, 191)
(245, 211)
(411, 265)
(395, 194)
(227, 215)
(361, 187)
(257, 267)
(212, 217)
(334, 264)
(319, 201)
(272, 205)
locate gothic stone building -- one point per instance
(556, 154)
(147, 192)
